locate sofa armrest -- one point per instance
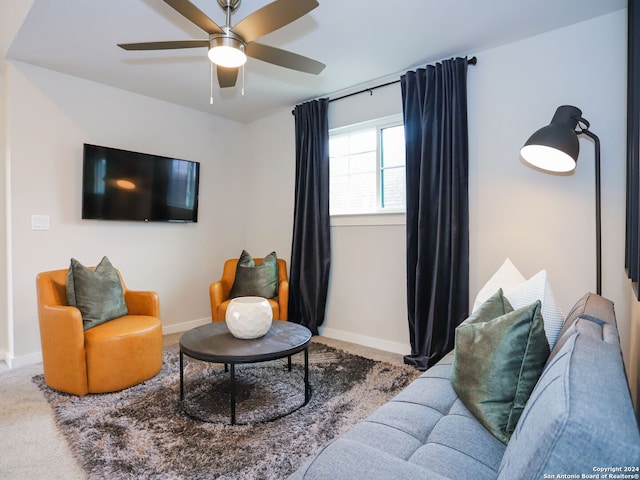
(63, 351)
(142, 303)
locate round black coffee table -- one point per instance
(214, 343)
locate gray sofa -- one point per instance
(579, 421)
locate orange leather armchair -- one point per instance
(108, 357)
(219, 291)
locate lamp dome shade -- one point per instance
(555, 148)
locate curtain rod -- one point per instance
(471, 61)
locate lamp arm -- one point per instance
(596, 140)
(584, 122)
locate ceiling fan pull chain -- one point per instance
(211, 83)
(242, 80)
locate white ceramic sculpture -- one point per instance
(249, 317)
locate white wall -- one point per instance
(367, 293)
(4, 324)
(50, 116)
(539, 220)
(12, 15)
(269, 183)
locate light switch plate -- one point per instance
(39, 222)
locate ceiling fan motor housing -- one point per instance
(229, 4)
(226, 39)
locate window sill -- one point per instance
(368, 219)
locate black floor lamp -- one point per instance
(555, 148)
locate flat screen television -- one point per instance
(123, 185)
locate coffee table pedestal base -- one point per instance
(233, 385)
(214, 343)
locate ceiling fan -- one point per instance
(230, 45)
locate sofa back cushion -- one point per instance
(580, 415)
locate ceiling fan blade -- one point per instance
(194, 15)
(165, 45)
(271, 17)
(226, 76)
(284, 58)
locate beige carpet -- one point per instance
(32, 447)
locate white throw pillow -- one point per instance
(506, 277)
(538, 288)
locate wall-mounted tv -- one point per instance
(123, 185)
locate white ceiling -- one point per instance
(358, 40)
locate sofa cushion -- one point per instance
(96, 293)
(424, 432)
(579, 416)
(256, 280)
(347, 459)
(591, 306)
(497, 362)
(459, 445)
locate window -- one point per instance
(367, 168)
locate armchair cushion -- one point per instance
(256, 280)
(97, 293)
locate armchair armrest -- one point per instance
(63, 352)
(218, 293)
(283, 299)
(142, 303)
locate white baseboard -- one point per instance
(4, 356)
(23, 360)
(366, 341)
(184, 326)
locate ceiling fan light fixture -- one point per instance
(227, 51)
(229, 46)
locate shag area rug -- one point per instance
(142, 432)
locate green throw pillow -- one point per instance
(495, 306)
(497, 362)
(96, 293)
(256, 280)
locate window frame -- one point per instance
(386, 216)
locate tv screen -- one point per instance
(123, 185)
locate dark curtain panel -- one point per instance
(434, 103)
(632, 247)
(311, 249)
